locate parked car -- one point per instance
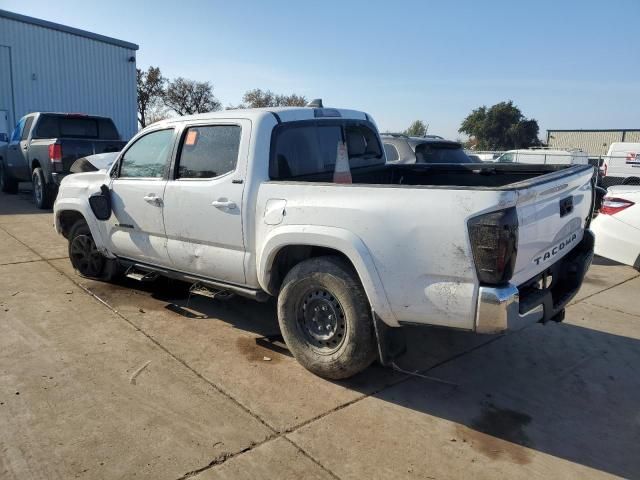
(43, 146)
(483, 156)
(299, 204)
(545, 156)
(402, 149)
(617, 227)
(621, 165)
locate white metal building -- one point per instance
(49, 67)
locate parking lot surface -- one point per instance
(139, 380)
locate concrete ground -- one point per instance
(135, 380)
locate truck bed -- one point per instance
(470, 175)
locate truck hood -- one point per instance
(85, 179)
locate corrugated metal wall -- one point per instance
(62, 72)
(593, 142)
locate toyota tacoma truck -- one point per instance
(43, 146)
(299, 204)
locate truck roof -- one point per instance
(285, 114)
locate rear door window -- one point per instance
(148, 156)
(209, 151)
(441, 153)
(310, 148)
(27, 128)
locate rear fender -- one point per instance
(334, 238)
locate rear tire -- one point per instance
(42, 192)
(325, 318)
(8, 184)
(87, 261)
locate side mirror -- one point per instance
(100, 203)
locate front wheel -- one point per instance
(325, 318)
(86, 258)
(8, 184)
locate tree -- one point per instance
(186, 97)
(150, 87)
(501, 127)
(258, 98)
(416, 129)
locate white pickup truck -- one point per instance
(299, 204)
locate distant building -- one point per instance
(594, 142)
(49, 67)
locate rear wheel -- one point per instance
(86, 258)
(8, 184)
(42, 193)
(325, 318)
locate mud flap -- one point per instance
(391, 341)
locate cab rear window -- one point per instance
(54, 126)
(310, 148)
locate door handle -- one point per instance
(152, 199)
(224, 204)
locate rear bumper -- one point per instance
(511, 308)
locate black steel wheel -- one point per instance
(325, 318)
(321, 320)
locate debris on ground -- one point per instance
(132, 379)
(266, 359)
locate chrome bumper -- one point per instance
(499, 310)
(502, 308)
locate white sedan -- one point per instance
(617, 228)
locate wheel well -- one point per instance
(289, 256)
(68, 219)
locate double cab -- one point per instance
(300, 204)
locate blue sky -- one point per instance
(568, 64)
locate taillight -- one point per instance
(611, 205)
(494, 243)
(55, 152)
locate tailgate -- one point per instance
(551, 219)
(73, 149)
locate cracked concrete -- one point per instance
(548, 401)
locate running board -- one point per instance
(199, 289)
(214, 285)
(141, 275)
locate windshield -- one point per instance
(441, 153)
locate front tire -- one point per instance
(8, 184)
(87, 261)
(42, 194)
(325, 318)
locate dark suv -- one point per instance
(401, 148)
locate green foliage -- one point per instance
(258, 98)
(500, 127)
(150, 87)
(186, 97)
(416, 129)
